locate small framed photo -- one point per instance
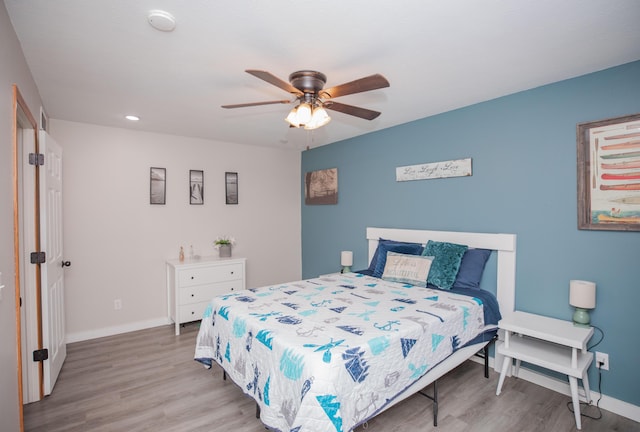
(231, 187)
(196, 187)
(158, 185)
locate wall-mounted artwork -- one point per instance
(321, 187)
(231, 187)
(158, 185)
(609, 174)
(450, 168)
(196, 187)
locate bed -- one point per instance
(329, 353)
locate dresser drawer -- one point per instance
(193, 283)
(199, 293)
(192, 312)
(203, 275)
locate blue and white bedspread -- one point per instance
(327, 354)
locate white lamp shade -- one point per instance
(304, 113)
(292, 118)
(582, 294)
(346, 258)
(318, 119)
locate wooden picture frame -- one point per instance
(157, 185)
(231, 187)
(196, 187)
(321, 187)
(609, 174)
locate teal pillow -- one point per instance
(446, 263)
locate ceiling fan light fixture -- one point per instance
(304, 113)
(308, 89)
(292, 118)
(318, 119)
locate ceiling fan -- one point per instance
(307, 87)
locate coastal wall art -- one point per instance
(609, 174)
(434, 170)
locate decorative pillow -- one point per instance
(377, 253)
(472, 268)
(445, 264)
(411, 269)
(399, 247)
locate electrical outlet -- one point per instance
(602, 360)
(117, 304)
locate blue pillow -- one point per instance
(376, 254)
(399, 247)
(471, 268)
(445, 264)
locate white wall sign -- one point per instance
(451, 168)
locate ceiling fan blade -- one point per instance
(250, 104)
(272, 79)
(364, 113)
(372, 82)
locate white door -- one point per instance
(52, 272)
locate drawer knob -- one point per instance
(231, 272)
(192, 277)
(191, 295)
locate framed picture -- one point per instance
(158, 185)
(321, 187)
(196, 187)
(231, 187)
(609, 174)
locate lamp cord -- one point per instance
(601, 339)
(586, 404)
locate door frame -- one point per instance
(20, 112)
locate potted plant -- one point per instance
(223, 244)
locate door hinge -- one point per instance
(36, 159)
(40, 355)
(38, 258)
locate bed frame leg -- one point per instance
(224, 375)
(257, 410)
(435, 403)
(485, 355)
(434, 398)
(486, 360)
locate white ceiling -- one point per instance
(95, 61)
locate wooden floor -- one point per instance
(148, 381)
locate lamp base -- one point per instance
(346, 269)
(581, 317)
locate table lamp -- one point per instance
(582, 296)
(346, 260)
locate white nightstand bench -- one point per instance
(549, 343)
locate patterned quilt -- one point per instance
(327, 354)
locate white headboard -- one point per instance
(503, 244)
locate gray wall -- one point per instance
(13, 70)
(523, 148)
(107, 212)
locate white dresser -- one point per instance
(192, 284)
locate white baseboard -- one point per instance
(608, 403)
(110, 331)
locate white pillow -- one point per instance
(411, 269)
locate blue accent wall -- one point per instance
(523, 148)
